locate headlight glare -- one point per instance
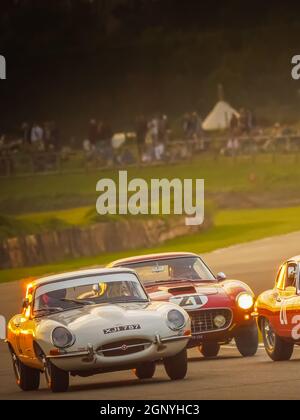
(176, 320)
(245, 301)
(62, 338)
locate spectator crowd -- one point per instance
(153, 139)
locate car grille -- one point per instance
(203, 321)
(123, 347)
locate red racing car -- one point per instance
(220, 309)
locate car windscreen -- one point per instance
(182, 268)
(69, 294)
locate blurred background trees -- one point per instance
(73, 59)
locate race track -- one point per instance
(227, 377)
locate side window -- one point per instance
(291, 275)
(280, 281)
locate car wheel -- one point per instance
(57, 379)
(145, 371)
(176, 366)
(210, 349)
(27, 379)
(247, 340)
(276, 348)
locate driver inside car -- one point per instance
(182, 271)
(54, 299)
(291, 276)
(106, 290)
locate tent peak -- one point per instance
(219, 118)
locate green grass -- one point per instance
(82, 216)
(231, 227)
(12, 226)
(54, 192)
(76, 216)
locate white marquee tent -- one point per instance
(219, 118)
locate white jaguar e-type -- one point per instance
(94, 321)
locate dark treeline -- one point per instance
(70, 60)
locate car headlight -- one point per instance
(62, 338)
(245, 301)
(176, 320)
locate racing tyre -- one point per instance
(57, 379)
(276, 348)
(176, 366)
(145, 371)
(210, 350)
(247, 340)
(27, 379)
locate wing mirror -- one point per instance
(221, 276)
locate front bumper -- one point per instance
(203, 329)
(92, 359)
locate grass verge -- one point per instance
(231, 227)
(63, 191)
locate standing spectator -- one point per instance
(105, 135)
(89, 150)
(197, 131)
(250, 121)
(243, 121)
(100, 141)
(37, 136)
(186, 125)
(55, 135)
(160, 139)
(25, 133)
(234, 122)
(163, 129)
(152, 139)
(47, 135)
(154, 129)
(141, 132)
(93, 131)
(148, 152)
(233, 145)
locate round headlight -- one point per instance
(219, 321)
(245, 301)
(176, 320)
(61, 337)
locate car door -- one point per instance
(275, 300)
(288, 299)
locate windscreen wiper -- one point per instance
(130, 301)
(79, 301)
(52, 309)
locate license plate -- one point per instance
(121, 328)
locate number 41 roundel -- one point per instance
(190, 302)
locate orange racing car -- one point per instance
(278, 312)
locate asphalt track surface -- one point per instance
(227, 377)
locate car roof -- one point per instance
(79, 273)
(151, 257)
(294, 259)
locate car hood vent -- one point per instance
(182, 289)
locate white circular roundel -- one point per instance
(190, 302)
